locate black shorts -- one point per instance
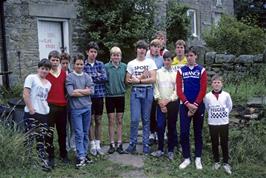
(115, 104)
(97, 106)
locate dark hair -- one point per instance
(54, 54)
(192, 50)
(142, 44)
(44, 63)
(78, 57)
(92, 45)
(65, 56)
(167, 54)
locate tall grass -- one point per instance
(248, 145)
(13, 153)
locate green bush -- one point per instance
(235, 37)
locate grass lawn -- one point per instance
(248, 153)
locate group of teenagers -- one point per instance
(162, 85)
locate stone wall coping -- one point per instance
(62, 10)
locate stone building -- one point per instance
(32, 28)
(202, 14)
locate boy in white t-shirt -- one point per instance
(218, 104)
(141, 74)
(36, 89)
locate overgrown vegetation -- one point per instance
(177, 23)
(115, 22)
(14, 92)
(242, 88)
(235, 37)
(13, 154)
(123, 23)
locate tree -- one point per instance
(177, 22)
(115, 22)
(252, 12)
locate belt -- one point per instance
(142, 86)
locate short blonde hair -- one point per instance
(217, 77)
(156, 42)
(115, 50)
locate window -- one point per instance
(191, 13)
(52, 35)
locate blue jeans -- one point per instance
(140, 107)
(81, 119)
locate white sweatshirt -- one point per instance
(218, 109)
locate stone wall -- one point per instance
(207, 13)
(1, 48)
(21, 17)
(233, 67)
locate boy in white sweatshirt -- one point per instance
(218, 103)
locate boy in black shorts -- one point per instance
(115, 97)
(96, 70)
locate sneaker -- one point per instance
(227, 169)
(80, 163)
(198, 163)
(157, 153)
(99, 151)
(171, 155)
(146, 149)
(185, 163)
(120, 149)
(93, 151)
(45, 166)
(131, 148)
(88, 160)
(216, 166)
(65, 160)
(51, 163)
(151, 139)
(111, 149)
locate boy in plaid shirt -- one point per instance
(96, 70)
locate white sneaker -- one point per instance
(93, 150)
(185, 163)
(151, 136)
(216, 166)
(198, 163)
(227, 169)
(99, 151)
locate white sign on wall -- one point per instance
(52, 35)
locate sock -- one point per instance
(119, 143)
(97, 143)
(113, 143)
(93, 146)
